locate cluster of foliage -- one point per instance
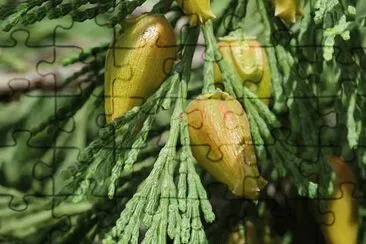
(133, 182)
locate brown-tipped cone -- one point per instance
(222, 144)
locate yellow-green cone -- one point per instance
(199, 11)
(342, 225)
(137, 62)
(288, 10)
(250, 61)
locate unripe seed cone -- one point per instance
(241, 237)
(288, 10)
(137, 62)
(343, 223)
(199, 11)
(221, 142)
(250, 61)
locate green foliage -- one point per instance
(29, 12)
(158, 187)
